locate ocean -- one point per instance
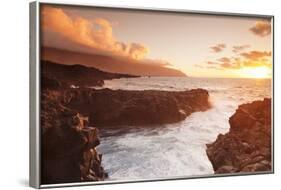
(178, 149)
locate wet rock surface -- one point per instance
(247, 145)
(70, 109)
(107, 107)
(68, 141)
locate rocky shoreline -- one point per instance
(75, 75)
(247, 145)
(107, 107)
(69, 140)
(68, 144)
(71, 116)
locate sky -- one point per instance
(198, 45)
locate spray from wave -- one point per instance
(178, 149)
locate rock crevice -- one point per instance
(68, 141)
(68, 144)
(69, 109)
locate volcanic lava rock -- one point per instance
(68, 151)
(76, 75)
(107, 107)
(247, 146)
(68, 142)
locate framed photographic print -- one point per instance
(122, 94)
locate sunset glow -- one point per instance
(155, 94)
(189, 45)
(256, 72)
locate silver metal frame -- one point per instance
(34, 130)
(34, 96)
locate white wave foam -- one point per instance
(175, 149)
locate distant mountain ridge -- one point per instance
(108, 63)
(77, 75)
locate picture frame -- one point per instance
(42, 78)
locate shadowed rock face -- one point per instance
(119, 107)
(68, 143)
(68, 151)
(247, 146)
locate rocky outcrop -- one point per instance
(247, 146)
(50, 83)
(68, 144)
(68, 151)
(107, 107)
(76, 75)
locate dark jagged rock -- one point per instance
(107, 107)
(76, 75)
(49, 83)
(68, 151)
(68, 144)
(247, 146)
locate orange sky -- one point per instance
(198, 45)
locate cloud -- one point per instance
(248, 59)
(226, 65)
(224, 60)
(137, 50)
(231, 65)
(156, 62)
(211, 63)
(238, 49)
(244, 59)
(113, 64)
(213, 67)
(256, 55)
(86, 35)
(199, 66)
(256, 63)
(261, 28)
(257, 58)
(218, 48)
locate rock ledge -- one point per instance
(247, 146)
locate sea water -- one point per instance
(178, 149)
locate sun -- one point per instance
(255, 72)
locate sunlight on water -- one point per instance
(175, 149)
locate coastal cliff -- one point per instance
(107, 107)
(77, 75)
(68, 114)
(68, 144)
(247, 145)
